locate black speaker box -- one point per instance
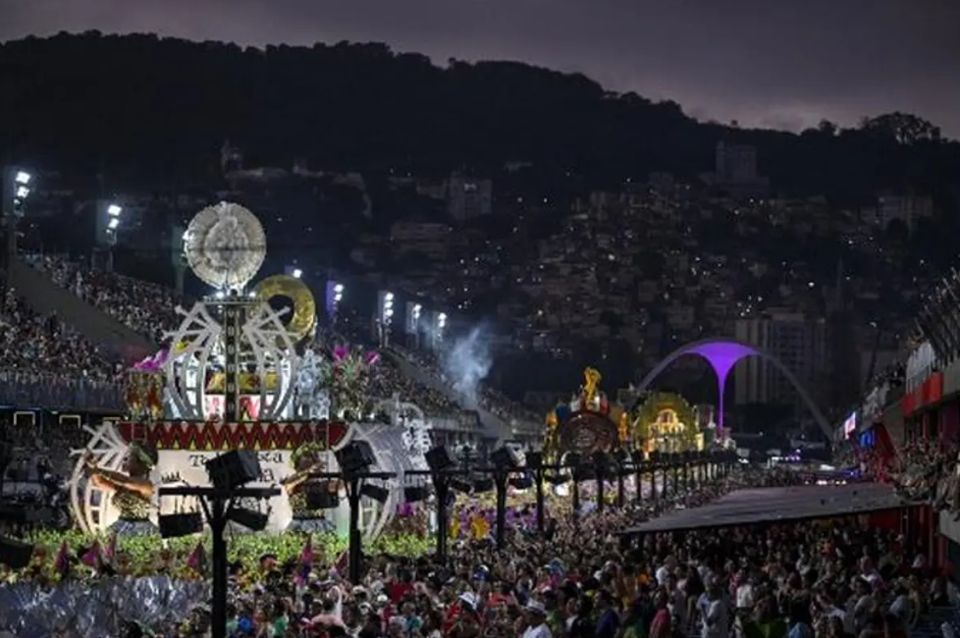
(233, 469)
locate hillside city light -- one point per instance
(22, 177)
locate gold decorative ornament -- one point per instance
(304, 315)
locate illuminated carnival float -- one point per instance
(243, 372)
(589, 422)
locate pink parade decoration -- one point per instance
(91, 557)
(340, 352)
(305, 563)
(306, 555)
(61, 564)
(372, 357)
(197, 558)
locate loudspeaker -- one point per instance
(481, 485)
(251, 519)
(461, 485)
(176, 525)
(521, 482)
(355, 457)
(233, 469)
(439, 459)
(505, 457)
(321, 498)
(14, 554)
(414, 493)
(375, 492)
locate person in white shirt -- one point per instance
(536, 621)
(716, 618)
(663, 573)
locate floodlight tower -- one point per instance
(15, 190)
(385, 311)
(414, 312)
(109, 215)
(334, 296)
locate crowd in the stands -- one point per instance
(578, 580)
(487, 397)
(387, 381)
(41, 344)
(147, 308)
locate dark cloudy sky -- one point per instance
(773, 63)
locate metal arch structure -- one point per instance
(723, 355)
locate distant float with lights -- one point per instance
(657, 422)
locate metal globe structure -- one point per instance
(225, 245)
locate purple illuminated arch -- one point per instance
(723, 355)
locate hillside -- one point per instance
(157, 110)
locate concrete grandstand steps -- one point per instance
(494, 426)
(45, 297)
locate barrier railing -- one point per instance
(25, 389)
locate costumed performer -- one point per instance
(303, 485)
(132, 489)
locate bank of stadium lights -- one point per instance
(297, 273)
(337, 292)
(19, 190)
(387, 308)
(113, 215)
(385, 312)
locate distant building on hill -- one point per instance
(796, 341)
(468, 198)
(735, 170)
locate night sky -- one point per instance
(771, 63)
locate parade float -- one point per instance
(664, 422)
(589, 423)
(243, 371)
(586, 424)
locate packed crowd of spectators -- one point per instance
(577, 580)
(927, 472)
(387, 380)
(798, 580)
(43, 362)
(147, 308)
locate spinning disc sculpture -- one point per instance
(231, 344)
(225, 245)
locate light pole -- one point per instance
(385, 317)
(15, 189)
